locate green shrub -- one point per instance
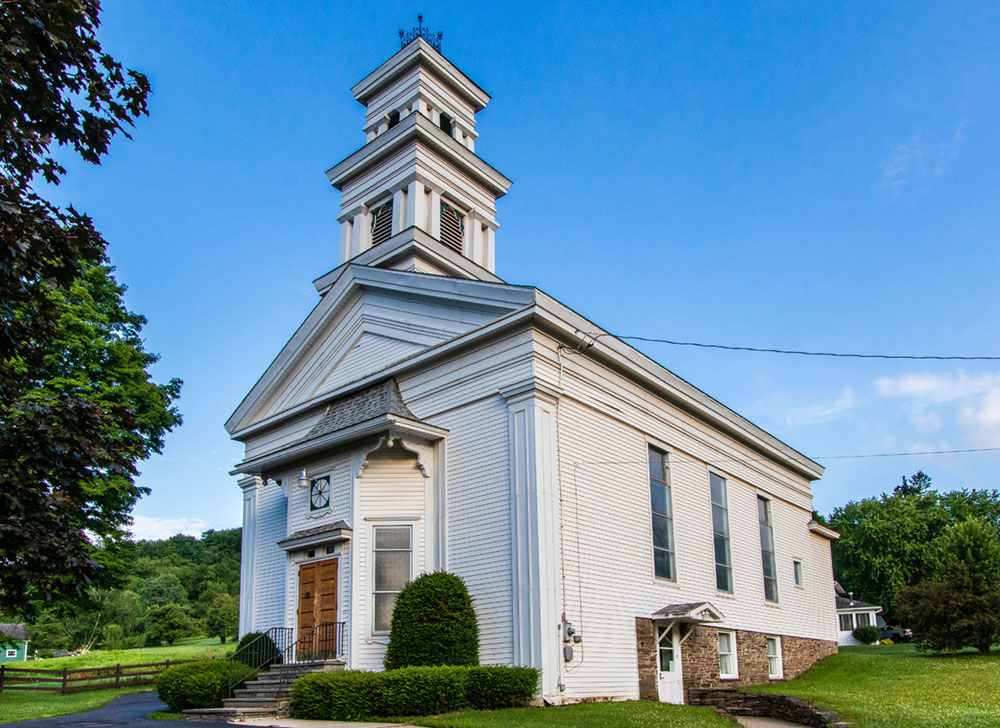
(257, 651)
(356, 695)
(201, 684)
(867, 635)
(492, 687)
(433, 623)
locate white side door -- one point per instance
(668, 663)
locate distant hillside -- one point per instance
(177, 587)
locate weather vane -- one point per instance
(421, 32)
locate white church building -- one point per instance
(617, 527)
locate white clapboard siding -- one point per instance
(370, 353)
(271, 562)
(478, 502)
(607, 551)
(392, 491)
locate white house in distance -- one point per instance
(852, 613)
(617, 527)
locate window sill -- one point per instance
(729, 677)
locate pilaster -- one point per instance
(250, 486)
(535, 531)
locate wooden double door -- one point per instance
(317, 610)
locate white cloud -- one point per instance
(153, 528)
(919, 159)
(820, 412)
(970, 401)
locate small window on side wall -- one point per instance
(775, 669)
(846, 622)
(797, 572)
(728, 669)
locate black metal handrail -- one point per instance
(265, 650)
(278, 646)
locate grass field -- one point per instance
(896, 686)
(630, 714)
(181, 650)
(27, 704)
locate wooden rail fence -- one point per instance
(72, 680)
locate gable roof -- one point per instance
(695, 612)
(848, 604)
(14, 630)
(509, 307)
(367, 404)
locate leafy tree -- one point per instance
(223, 617)
(433, 623)
(77, 405)
(962, 607)
(163, 589)
(895, 540)
(167, 622)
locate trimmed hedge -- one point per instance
(202, 684)
(356, 695)
(867, 635)
(433, 623)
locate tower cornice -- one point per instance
(416, 128)
(420, 53)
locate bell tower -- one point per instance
(416, 196)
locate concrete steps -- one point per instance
(269, 696)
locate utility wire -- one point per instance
(902, 454)
(842, 355)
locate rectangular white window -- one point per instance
(665, 640)
(720, 532)
(11, 653)
(664, 565)
(391, 557)
(863, 619)
(727, 655)
(797, 572)
(774, 667)
(846, 623)
(767, 549)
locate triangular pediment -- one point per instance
(368, 321)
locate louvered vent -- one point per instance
(382, 223)
(452, 226)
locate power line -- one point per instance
(903, 454)
(841, 355)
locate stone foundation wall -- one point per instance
(783, 707)
(646, 652)
(700, 658)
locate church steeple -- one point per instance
(418, 179)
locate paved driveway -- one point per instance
(128, 710)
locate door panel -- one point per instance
(668, 663)
(318, 609)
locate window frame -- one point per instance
(374, 557)
(669, 517)
(767, 524)
(734, 674)
(840, 623)
(329, 494)
(868, 619)
(728, 535)
(9, 653)
(798, 575)
(768, 641)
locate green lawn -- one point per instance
(196, 649)
(895, 686)
(27, 704)
(630, 714)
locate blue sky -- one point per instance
(794, 175)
